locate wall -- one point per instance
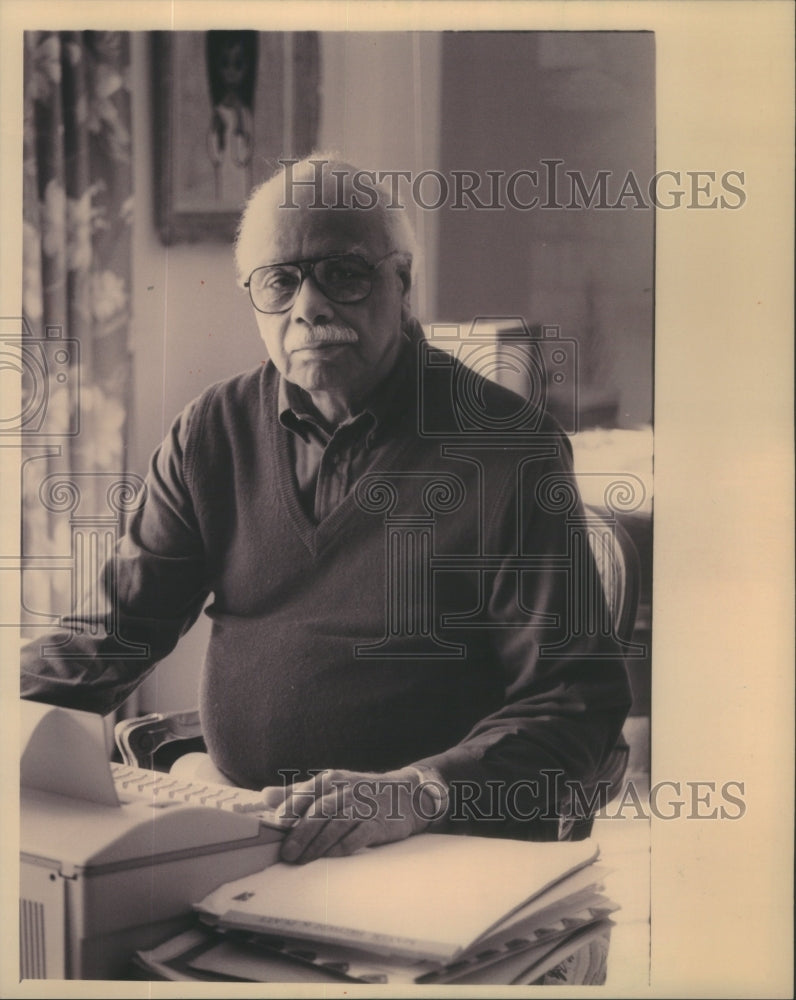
(510, 101)
(381, 108)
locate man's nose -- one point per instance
(311, 305)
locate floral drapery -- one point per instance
(77, 208)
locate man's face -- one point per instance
(322, 346)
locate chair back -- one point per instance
(619, 567)
(618, 564)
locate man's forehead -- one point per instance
(293, 233)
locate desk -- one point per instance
(128, 923)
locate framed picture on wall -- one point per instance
(227, 106)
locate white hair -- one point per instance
(336, 184)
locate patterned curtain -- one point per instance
(77, 209)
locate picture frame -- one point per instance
(227, 105)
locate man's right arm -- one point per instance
(153, 588)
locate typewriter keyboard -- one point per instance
(137, 784)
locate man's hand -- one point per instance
(339, 812)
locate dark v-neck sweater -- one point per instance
(326, 651)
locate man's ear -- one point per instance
(404, 272)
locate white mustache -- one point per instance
(325, 333)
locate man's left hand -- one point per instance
(339, 812)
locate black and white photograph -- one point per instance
(374, 568)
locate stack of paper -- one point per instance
(431, 909)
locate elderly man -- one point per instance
(370, 701)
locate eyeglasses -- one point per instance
(343, 278)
